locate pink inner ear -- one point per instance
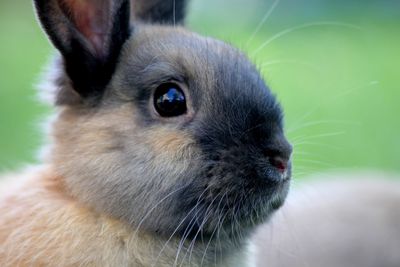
(92, 20)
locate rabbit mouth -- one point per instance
(230, 204)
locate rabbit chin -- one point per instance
(228, 217)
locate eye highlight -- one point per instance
(169, 100)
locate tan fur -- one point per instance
(40, 225)
(169, 141)
(95, 139)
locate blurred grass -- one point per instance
(338, 82)
(23, 52)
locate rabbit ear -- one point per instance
(89, 34)
(160, 11)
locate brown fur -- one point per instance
(60, 231)
(41, 225)
(84, 138)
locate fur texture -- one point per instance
(44, 226)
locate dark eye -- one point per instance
(169, 100)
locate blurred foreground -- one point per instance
(347, 220)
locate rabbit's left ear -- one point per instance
(89, 34)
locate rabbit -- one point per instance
(167, 148)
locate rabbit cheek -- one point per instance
(169, 143)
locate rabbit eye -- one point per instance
(169, 100)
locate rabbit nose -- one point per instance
(279, 155)
(279, 163)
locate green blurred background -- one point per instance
(334, 65)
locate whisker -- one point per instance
(188, 230)
(155, 206)
(211, 237)
(219, 228)
(304, 26)
(174, 12)
(320, 122)
(303, 153)
(322, 135)
(354, 89)
(308, 143)
(317, 162)
(192, 243)
(179, 225)
(262, 22)
(185, 235)
(202, 225)
(235, 226)
(335, 97)
(307, 64)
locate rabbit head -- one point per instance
(159, 127)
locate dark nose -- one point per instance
(279, 163)
(279, 154)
